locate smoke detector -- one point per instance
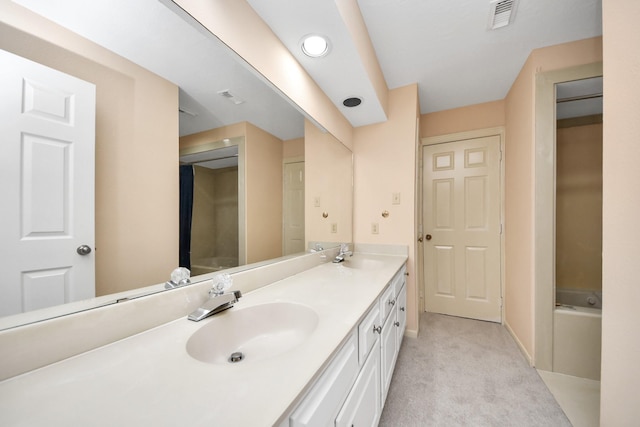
(501, 13)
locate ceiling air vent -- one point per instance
(501, 13)
(231, 97)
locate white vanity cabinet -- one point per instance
(377, 338)
(392, 329)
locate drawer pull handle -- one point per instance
(397, 324)
(392, 302)
(401, 308)
(377, 329)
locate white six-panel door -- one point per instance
(47, 139)
(461, 208)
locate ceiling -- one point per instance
(444, 46)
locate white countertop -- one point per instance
(150, 379)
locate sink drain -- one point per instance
(236, 357)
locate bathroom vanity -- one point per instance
(318, 348)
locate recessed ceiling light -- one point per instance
(315, 45)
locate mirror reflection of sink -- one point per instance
(253, 333)
(362, 263)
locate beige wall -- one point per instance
(385, 163)
(263, 157)
(519, 181)
(472, 117)
(579, 207)
(136, 150)
(621, 229)
(328, 178)
(293, 148)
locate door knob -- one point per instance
(83, 250)
(428, 237)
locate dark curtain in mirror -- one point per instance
(186, 213)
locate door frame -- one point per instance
(545, 205)
(498, 131)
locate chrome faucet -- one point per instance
(218, 300)
(344, 251)
(317, 248)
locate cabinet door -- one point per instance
(362, 407)
(401, 322)
(320, 406)
(388, 352)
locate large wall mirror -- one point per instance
(166, 93)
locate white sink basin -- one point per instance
(253, 333)
(362, 263)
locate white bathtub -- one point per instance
(578, 297)
(211, 264)
(577, 341)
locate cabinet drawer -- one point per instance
(387, 301)
(367, 336)
(322, 403)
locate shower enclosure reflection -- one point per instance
(209, 210)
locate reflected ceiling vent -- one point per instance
(231, 97)
(501, 13)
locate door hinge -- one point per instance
(500, 228)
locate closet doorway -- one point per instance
(462, 212)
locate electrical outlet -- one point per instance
(374, 228)
(334, 227)
(316, 202)
(395, 199)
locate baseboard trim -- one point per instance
(411, 333)
(522, 348)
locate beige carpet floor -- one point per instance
(462, 372)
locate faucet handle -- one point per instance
(221, 283)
